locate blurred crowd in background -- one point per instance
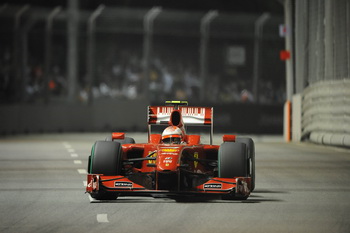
(229, 62)
(121, 76)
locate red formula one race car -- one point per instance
(173, 163)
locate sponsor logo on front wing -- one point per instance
(212, 186)
(121, 184)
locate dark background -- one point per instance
(252, 6)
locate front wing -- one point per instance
(121, 184)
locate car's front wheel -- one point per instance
(251, 158)
(106, 159)
(233, 162)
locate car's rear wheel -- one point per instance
(126, 140)
(233, 162)
(251, 158)
(106, 159)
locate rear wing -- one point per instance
(191, 116)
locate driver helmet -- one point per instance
(172, 135)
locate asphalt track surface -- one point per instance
(299, 188)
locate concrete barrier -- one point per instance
(334, 139)
(326, 113)
(101, 116)
(117, 115)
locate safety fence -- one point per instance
(322, 41)
(154, 54)
(322, 69)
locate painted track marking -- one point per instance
(82, 171)
(77, 162)
(102, 218)
(66, 145)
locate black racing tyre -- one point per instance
(106, 159)
(232, 161)
(126, 140)
(251, 158)
(89, 164)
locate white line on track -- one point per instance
(66, 145)
(82, 171)
(77, 161)
(74, 155)
(102, 218)
(71, 150)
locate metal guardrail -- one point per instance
(326, 112)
